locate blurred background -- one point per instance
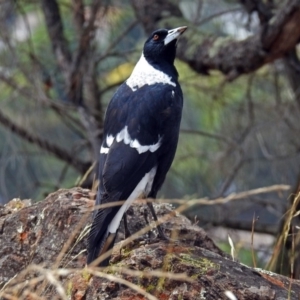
(62, 60)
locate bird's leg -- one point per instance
(145, 214)
(159, 229)
(126, 230)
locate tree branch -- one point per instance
(84, 46)
(233, 58)
(80, 72)
(56, 35)
(60, 153)
(78, 14)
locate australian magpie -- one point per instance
(141, 129)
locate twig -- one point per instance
(122, 281)
(218, 14)
(285, 232)
(230, 177)
(252, 240)
(57, 151)
(116, 41)
(232, 248)
(210, 135)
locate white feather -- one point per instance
(127, 138)
(109, 140)
(120, 135)
(124, 136)
(144, 73)
(141, 149)
(143, 188)
(104, 150)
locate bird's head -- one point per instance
(161, 45)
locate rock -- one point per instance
(43, 255)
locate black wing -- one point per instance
(152, 115)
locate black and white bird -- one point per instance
(141, 131)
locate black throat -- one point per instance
(162, 56)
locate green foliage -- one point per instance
(243, 254)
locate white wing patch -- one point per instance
(144, 73)
(141, 149)
(109, 140)
(104, 150)
(141, 190)
(124, 136)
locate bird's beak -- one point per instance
(174, 34)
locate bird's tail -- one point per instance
(100, 240)
(99, 244)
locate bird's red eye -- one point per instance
(155, 37)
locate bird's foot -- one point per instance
(161, 236)
(161, 233)
(127, 233)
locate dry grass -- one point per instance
(282, 239)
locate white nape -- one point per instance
(144, 73)
(143, 188)
(124, 136)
